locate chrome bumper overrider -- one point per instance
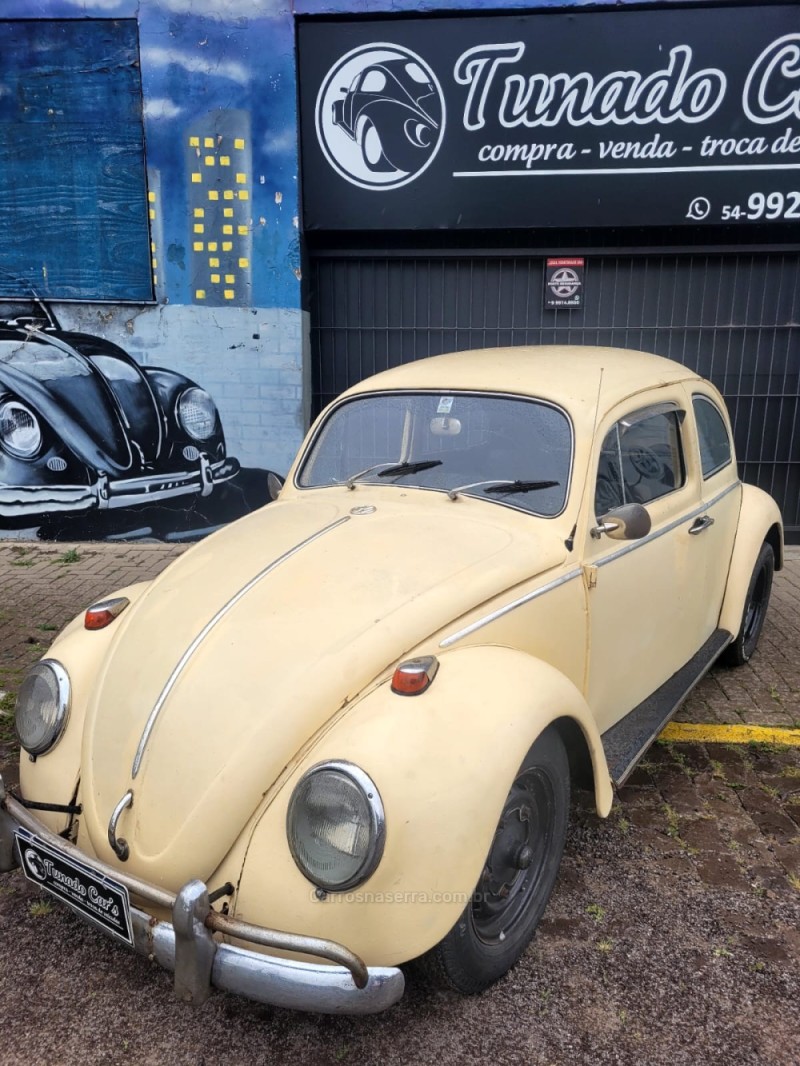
(200, 963)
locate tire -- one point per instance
(745, 643)
(369, 140)
(498, 924)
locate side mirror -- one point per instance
(629, 522)
(274, 485)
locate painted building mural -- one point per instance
(151, 332)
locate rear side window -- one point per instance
(712, 433)
(641, 460)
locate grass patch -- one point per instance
(40, 908)
(47, 627)
(7, 734)
(594, 910)
(71, 555)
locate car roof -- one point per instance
(563, 373)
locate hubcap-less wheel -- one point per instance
(755, 610)
(517, 859)
(518, 875)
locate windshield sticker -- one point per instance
(445, 405)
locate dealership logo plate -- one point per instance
(102, 900)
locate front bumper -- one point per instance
(187, 947)
(106, 494)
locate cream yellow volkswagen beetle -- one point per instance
(341, 734)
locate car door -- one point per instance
(642, 595)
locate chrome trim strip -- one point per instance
(494, 615)
(668, 528)
(481, 622)
(204, 632)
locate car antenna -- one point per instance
(37, 300)
(569, 543)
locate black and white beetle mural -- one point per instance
(93, 444)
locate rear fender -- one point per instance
(759, 521)
(443, 763)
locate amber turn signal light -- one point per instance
(99, 615)
(414, 675)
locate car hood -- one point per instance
(243, 650)
(88, 406)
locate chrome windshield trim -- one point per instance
(494, 615)
(668, 528)
(207, 628)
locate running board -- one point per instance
(627, 741)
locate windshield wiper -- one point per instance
(504, 487)
(392, 469)
(409, 468)
(507, 487)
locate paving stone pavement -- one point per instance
(673, 936)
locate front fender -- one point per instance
(52, 777)
(759, 520)
(443, 763)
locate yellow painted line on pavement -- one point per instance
(730, 734)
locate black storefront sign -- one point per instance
(619, 118)
(563, 282)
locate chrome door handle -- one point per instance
(700, 524)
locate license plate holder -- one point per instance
(100, 899)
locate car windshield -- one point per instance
(471, 442)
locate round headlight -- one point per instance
(20, 433)
(335, 826)
(197, 413)
(42, 706)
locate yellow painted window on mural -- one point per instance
(215, 278)
(244, 263)
(213, 194)
(208, 142)
(199, 212)
(242, 231)
(228, 194)
(241, 179)
(227, 212)
(210, 161)
(194, 142)
(155, 264)
(239, 142)
(229, 279)
(197, 246)
(199, 227)
(152, 214)
(212, 246)
(151, 196)
(227, 245)
(213, 261)
(244, 194)
(227, 229)
(196, 178)
(224, 160)
(228, 294)
(200, 294)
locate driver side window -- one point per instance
(641, 460)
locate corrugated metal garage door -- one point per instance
(732, 317)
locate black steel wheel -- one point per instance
(517, 879)
(745, 643)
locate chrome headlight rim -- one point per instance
(198, 395)
(377, 825)
(64, 699)
(30, 451)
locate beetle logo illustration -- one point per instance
(380, 116)
(34, 863)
